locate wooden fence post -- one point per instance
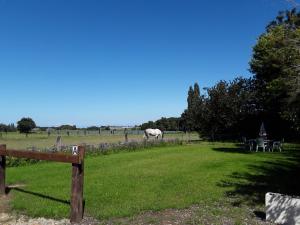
(77, 160)
(77, 188)
(2, 170)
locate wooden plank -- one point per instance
(81, 153)
(77, 193)
(2, 171)
(57, 157)
(77, 188)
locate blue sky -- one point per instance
(98, 62)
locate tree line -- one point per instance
(7, 127)
(164, 124)
(231, 109)
(27, 125)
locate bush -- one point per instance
(99, 149)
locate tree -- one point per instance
(7, 128)
(226, 111)
(190, 119)
(276, 65)
(164, 124)
(218, 112)
(25, 125)
(231, 109)
(67, 127)
(93, 128)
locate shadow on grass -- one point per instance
(8, 189)
(279, 174)
(238, 149)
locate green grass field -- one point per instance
(41, 140)
(125, 184)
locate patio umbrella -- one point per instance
(262, 130)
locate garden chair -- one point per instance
(251, 144)
(260, 143)
(277, 145)
(244, 140)
(248, 144)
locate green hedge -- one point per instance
(99, 149)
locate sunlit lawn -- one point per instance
(125, 184)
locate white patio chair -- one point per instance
(277, 145)
(248, 144)
(260, 143)
(251, 144)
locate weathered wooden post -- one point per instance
(126, 134)
(77, 160)
(77, 188)
(58, 143)
(2, 170)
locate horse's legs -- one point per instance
(146, 136)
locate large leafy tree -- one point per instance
(236, 108)
(25, 125)
(276, 65)
(227, 109)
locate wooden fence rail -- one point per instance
(77, 162)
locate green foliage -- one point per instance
(190, 118)
(108, 148)
(7, 128)
(225, 108)
(100, 149)
(15, 162)
(105, 127)
(25, 125)
(93, 128)
(276, 65)
(229, 110)
(164, 124)
(67, 127)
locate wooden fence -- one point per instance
(77, 162)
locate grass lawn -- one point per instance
(125, 184)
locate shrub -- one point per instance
(99, 149)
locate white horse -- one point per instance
(153, 133)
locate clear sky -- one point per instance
(98, 62)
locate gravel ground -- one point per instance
(219, 213)
(193, 215)
(8, 219)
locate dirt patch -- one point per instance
(7, 219)
(5, 199)
(10, 219)
(165, 217)
(4, 204)
(223, 213)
